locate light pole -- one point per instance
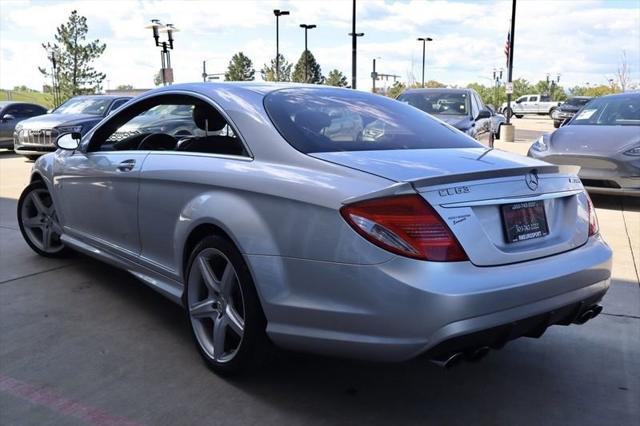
(424, 41)
(278, 14)
(354, 46)
(551, 84)
(306, 28)
(165, 46)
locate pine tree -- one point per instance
(240, 68)
(75, 74)
(336, 78)
(313, 72)
(268, 72)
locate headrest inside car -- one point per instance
(208, 119)
(313, 120)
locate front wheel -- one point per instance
(38, 221)
(519, 115)
(551, 111)
(223, 308)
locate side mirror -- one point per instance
(484, 113)
(518, 101)
(68, 141)
(8, 117)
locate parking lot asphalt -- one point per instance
(84, 343)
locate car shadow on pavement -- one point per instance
(616, 202)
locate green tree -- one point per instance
(550, 88)
(75, 74)
(434, 84)
(395, 89)
(313, 73)
(336, 78)
(124, 87)
(268, 72)
(240, 68)
(595, 91)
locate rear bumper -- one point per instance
(403, 308)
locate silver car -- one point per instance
(325, 220)
(603, 138)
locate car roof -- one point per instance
(5, 103)
(238, 87)
(438, 89)
(622, 94)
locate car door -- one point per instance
(98, 190)
(174, 182)
(534, 104)
(6, 124)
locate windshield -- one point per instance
(610, 111)
(577, 101)
(179, 110)
(444, 103)
(93, 106)
(329, 120)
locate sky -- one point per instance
(581, 40)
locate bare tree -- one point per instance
(623, 72)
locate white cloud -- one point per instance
(582, 39)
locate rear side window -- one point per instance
(330, 120)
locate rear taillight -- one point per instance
(594, 228)
(405, 225)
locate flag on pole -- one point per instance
(507, 47)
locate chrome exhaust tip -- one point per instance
(450, 361)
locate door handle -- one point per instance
(126, 165)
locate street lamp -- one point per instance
(424, 41)
(165, 47)
(306, 28)
(207, 76)
(354, 46)
(278, 14)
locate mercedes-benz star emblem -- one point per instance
(532, 180)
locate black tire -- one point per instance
(519, 115)
(40, 186)
(497, 135)
(508, 112)
(551, 112)
(32, 157)
(556, 124)
(254, 345)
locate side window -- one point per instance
(522, 99)
(480, 103)
(168, 123)
(533, 99)
(545, 98)
(117, 104)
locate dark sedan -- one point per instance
(604, 140)
(461, 108)
(37, 136)
(11, 113)
(568, 109)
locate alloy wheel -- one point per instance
(40, 221)
(216, 305)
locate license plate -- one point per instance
(524, 221)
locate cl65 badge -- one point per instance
(453, 191)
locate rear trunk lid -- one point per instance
(468, 188)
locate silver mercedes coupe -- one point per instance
(324, 220)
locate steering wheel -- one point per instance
(158, 142)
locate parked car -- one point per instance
(394, 237)
(531, 104)
(36, 136)
(604, 140)
(568, 109)
(11, 113)
(461, 108)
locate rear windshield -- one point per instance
(330, 120)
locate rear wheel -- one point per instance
(519, 115)
(223, 308)
(38, 221)
(32, 157)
